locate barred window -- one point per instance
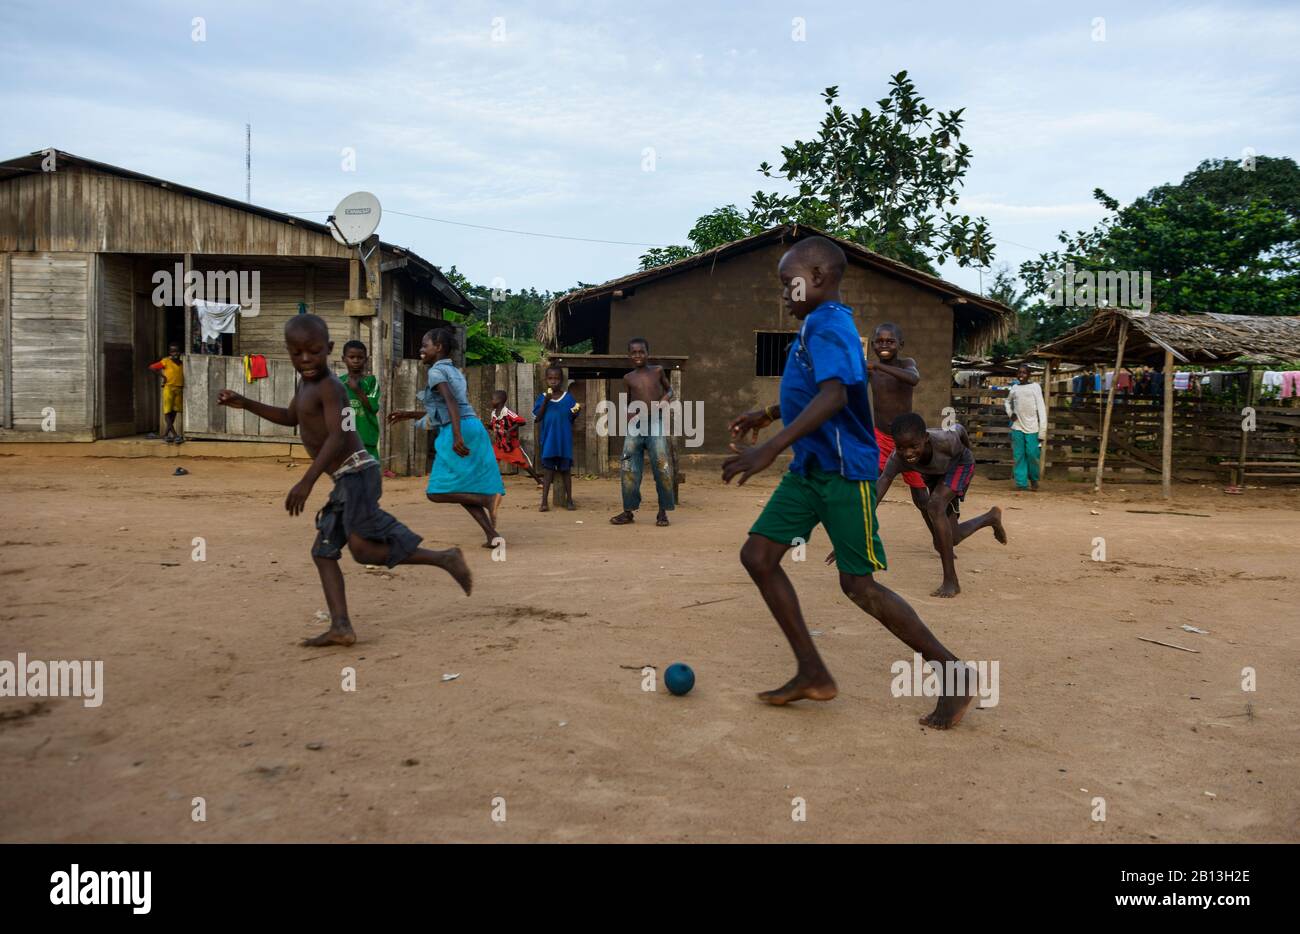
(772, 349)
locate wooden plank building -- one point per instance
(81, 315)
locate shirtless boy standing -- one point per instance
(352, 515)
(893, 379)
(648, 385)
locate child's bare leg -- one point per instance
(480, 515)
(331, 580)
(944, 532)
(897, 615)
(966, 529)
(496, 504)
(568, 490)
(762, 559)
(171, 425)
(919, 499)
(364, 551)
(476, 504)
(463, 499)
(546, 489)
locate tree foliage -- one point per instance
(883, 179)
(1225, 239)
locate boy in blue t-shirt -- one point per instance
(555, 412)
(826, 411)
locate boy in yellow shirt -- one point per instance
(172, 370)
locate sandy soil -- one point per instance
(207, 694)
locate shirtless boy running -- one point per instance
(945, 459)
(352, 515)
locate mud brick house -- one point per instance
(80, 318)
(721, 310)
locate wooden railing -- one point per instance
(206, 375)
(1206, 435)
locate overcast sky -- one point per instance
(540, 122)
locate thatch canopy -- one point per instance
(572, 318)
(1206, 339)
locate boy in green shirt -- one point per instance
(363, 395)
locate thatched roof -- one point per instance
(1207, 339)
(977, 321)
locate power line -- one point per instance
(548, 236)
(525, 233)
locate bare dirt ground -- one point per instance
(207, 694)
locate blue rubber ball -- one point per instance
(679, 678)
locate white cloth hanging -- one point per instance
(216, 318)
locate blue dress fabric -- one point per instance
(475, 473)
(556, 430)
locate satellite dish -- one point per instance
(355, 219)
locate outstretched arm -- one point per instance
(830, 398)
(272, 413)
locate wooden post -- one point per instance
(1047, 407)
(1110, 405)
(354, 291)
(382, 344)
(187, 265)
(1167, 443)
(1245, 435)
(309, 290)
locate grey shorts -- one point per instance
(353, 509)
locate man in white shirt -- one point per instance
(1028, 427)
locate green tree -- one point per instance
(882, 179)
(720, 226)
(1035, 322)
(1225, 239)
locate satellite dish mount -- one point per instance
(355, 220)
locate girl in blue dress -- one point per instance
(464, 468)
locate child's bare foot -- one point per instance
(623, 518)
(459, 570)
(570, 505)
(946, 589)
(951, 708)
(998, 531)
(662, 518)
(339, 633)
(801, 687)
(544, 507)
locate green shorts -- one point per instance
(847, 508)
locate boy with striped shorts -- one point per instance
(826, 410)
